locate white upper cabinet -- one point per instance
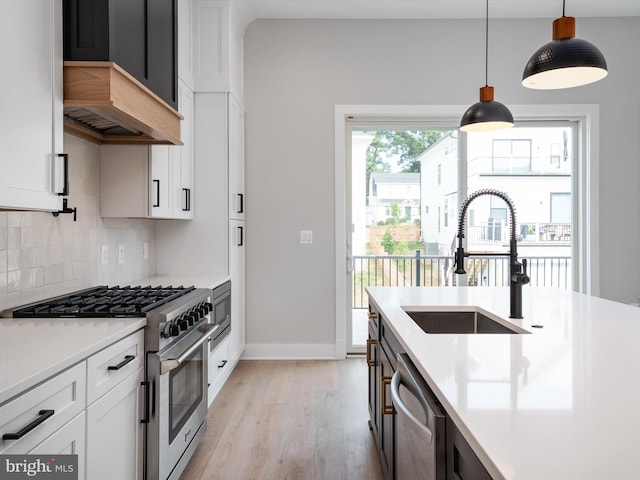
(182, 158)
(185, 42)
(218, 50)
(151, 181)
(237, 197)
(31, 128)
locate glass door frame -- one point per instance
(444, 116)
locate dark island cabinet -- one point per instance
(462, 462)
(382, 348)
(139, 35)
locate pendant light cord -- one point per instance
(486, 46)
(563, 2)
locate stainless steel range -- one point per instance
(180, 326)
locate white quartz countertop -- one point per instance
(562, 402)
(198, 281)
(34, 349)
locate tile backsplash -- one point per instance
(43, 256)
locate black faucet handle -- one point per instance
(459, 261)
(521, 278)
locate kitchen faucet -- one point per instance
(517, 271)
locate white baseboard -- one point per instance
(290, 351)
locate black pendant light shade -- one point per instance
(486, 115)
(564, 62)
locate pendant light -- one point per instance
(486, 115)
(565, 61)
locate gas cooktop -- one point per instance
(102, 301)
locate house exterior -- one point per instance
(385, 189)
(532, 165)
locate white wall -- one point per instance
(43, 256)
(296, 71)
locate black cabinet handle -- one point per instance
(43, 415)
(127, 359)
(240, 202)
(187, 199)
(240, 242)
(65, 162)
(145, 419)
(224, 362)
(157, 184)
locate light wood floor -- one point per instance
(280, 419)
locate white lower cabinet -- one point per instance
(115, 434)
(92, 409)
(237, 241)
(219, 368)
(69, 440)
(114, 405)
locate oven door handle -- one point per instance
(172, 363)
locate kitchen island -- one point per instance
(560, 402)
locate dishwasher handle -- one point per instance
(398, 379)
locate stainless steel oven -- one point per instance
(221, 313)
(177, 404)
(177, 340)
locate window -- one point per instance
(446, 212)
(560, 207)
(511, 156)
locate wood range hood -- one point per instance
(105, 104)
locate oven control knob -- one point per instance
(166, 331)
(184, 324)
(175, 330)
(208, 307)
(191, 319)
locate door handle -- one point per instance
(386, 409)
(157, 184)
(240, 241)
(65, 173)
(370, 362)
(173, 363)
(127, 359)
(399, 404)
(42, 416)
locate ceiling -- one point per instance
(426, 9)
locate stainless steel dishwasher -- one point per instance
(420, 426)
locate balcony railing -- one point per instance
(437, 271)
(498, 232)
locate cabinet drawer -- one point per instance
(112, 365)
(64, 394)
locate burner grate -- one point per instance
(104, 301)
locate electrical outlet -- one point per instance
(306, 236)
(120, 254)
(104, 255)
(145, 250)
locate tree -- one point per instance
(408, 145)
(388, 244)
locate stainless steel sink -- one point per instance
(459, 322)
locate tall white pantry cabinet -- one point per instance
(213, 242)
